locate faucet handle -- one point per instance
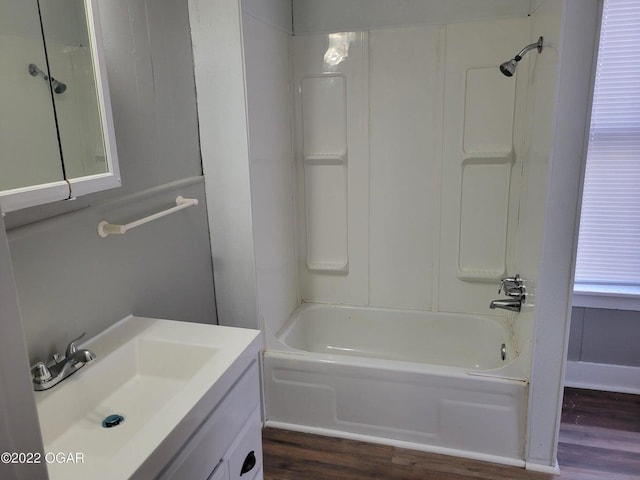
(71, 348)
(509, 284)
(40, 373)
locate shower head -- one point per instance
(57, 86)
(508, 68)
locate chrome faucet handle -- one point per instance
(514, 291)
(40, 373)
(510, 284)
(71, 348)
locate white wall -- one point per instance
(341, 16)
(216, 33)
(266, 28)
(565, 175)
(541, 77)
(409, 154)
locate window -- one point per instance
(608, 261)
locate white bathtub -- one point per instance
(423, 380)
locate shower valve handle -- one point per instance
(511, 286)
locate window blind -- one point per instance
(609, 239)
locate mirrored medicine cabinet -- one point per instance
(56, 127)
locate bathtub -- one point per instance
(439, 382)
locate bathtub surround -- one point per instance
(362, 213)
(410, 153)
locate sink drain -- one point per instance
(112, 421)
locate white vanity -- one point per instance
(189, 396)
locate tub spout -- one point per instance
(511, 304)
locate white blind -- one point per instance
(609, 242)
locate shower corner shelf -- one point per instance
(105, 228)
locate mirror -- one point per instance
(28, 137)
(56, 128)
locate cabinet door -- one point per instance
(208, 445)
(245, 455)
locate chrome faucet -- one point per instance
(512, 304)
(513, 287)
(46, 375)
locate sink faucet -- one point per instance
(513, 288)
(46, 375)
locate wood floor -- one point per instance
(599, 440)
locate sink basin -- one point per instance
(151, 372)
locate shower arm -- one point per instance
(537, 45)
(57, 86)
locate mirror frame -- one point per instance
(30, 196)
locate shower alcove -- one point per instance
(375, 164)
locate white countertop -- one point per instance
(151, 371)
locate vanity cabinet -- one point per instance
(189, 394)
(228, 444)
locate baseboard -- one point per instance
(601, 376)
(538, 467)
(454, 452)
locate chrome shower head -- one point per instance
(508, 68)
(57, 86)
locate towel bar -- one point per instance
(105, 228)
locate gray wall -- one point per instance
(605, 336)
(19, 428)
(70, 280)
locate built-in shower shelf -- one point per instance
(480, 275)
(489, 157)
(328, 267)
(484, 215)
(325, 159)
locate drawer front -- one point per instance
(245, 456)
(198, 459)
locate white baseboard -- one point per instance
(537, 467)
(600, 376)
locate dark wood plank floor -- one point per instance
(599, 440)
